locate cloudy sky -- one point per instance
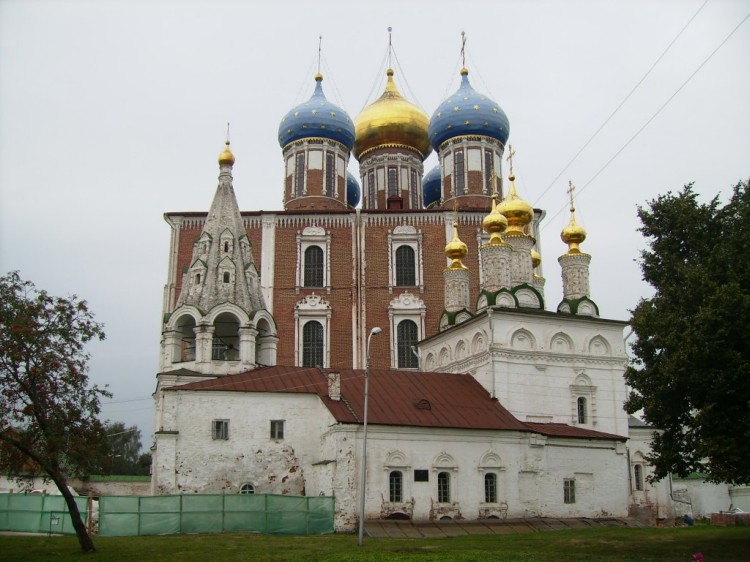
(112, 113)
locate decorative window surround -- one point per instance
(314, 236)
(406, 235)
(312, 308)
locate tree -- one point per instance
(124, 448)
(48, 412)
(691, 369)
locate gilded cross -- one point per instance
(463, 49)
(511, 154)
(570, 190)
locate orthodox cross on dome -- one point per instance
(320, 43)
(493, 182)
(390, 46)
(463, 49)
(511, 154)
(570, 190)
(227, 133)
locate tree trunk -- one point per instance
(84, 539)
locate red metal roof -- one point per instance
(409, 398)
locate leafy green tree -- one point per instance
(48, 411)
(691, 370)
(124, 447)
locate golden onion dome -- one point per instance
(391, 120)
(573, 234)
(536, 258)
(456, 249)
(495, 224)
(226, 158)
(518, 212)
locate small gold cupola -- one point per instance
(456, 250)
(573, 234)
(226, 158)
(495, 224)
(517, 211)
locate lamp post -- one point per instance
(363, 472)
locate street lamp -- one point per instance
(363, 473)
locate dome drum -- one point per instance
(315, 168)
(391, 180)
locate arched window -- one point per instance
(582, 417)
(407, 339)
(490, 487)
(458, 173)
(247, 489)
(313, 267)
(638, 477)
(396, 486)
(405, 267)
(444, 487)
(312, 344)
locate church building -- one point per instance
(482, 402)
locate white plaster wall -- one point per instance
(200, 464)
(706, 498)
(532, 380)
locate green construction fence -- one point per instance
(38, 513)
(257, 513)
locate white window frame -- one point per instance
(312, 308)
(314, 236)
(274, 427)
(406, 235)
(406, 306)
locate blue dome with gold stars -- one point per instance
(467, 112)
(431, 186)
(353, 191)
(319, 118)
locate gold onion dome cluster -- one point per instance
(226, 158)
(518, 212)
(456, 250)
(573, 234)
(391, 120)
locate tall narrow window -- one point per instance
(582, 417)
(312, 344)
(371, 190)
(414, 190)
(407, 340)
(490, 487)
(458, 172)
(330, 174)
(395, 486)
(638, 474)
(219, 349)
(392, 181)
(489, 169)
(299, 175)
(226, 277)
(444, 487)
(569, 490)
(277, 429)
(314, 266)
(405, 266)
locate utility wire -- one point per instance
(614, 112)
(638, 132)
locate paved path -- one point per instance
(436, 529)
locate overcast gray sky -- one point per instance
(112, 113)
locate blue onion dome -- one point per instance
(431, 186)
(467, 112)
(317, 118)
(353, 191)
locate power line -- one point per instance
(650, 119)
(627, 97)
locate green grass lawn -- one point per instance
(663, 545)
